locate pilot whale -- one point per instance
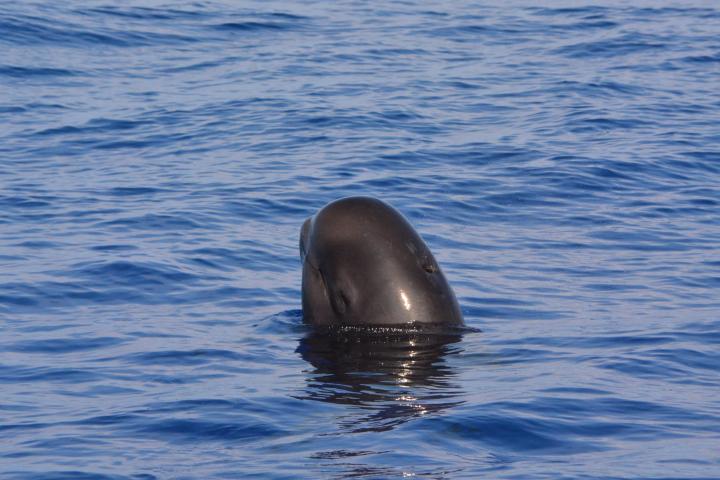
(363, 264)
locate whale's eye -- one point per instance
(428, 265)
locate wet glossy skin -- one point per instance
(364, 264)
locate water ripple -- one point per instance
(157, 161)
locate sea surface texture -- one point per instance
(158, 159)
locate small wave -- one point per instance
(623, 45)
(94, 126)
(135, 191)
(143, 13)
(113, 248)
(28, 30)
(238, 430)
(251, 26)
(74, 474)
(188, 357)
(584, 11)
(23, 203)
(176, 222)
(702, 59)
(607, 89)
(132, 273)
(28, 72)
(63, 345)
(513, 433)
(19, 374)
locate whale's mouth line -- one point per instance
(400, 329)
(322, 278)
(338, 301)
(317, 270)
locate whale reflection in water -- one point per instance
(396, 374)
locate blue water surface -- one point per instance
(157, 159)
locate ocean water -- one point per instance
(157, 160)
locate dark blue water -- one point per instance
(158, 159)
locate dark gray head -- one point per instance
(364, 264)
